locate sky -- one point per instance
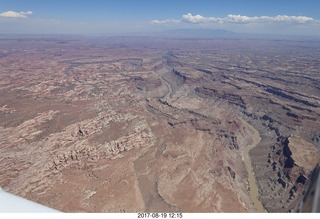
(287, 17)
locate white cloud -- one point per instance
(166, 21)
(13, 14)
(264, 19)
(198, 18)
(237, 19)
(193, 19)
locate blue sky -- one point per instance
(121, 16)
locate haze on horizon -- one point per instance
(142, 16)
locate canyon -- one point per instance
(151, 124)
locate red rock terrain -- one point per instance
(158, 125)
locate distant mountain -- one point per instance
(220, 33)
(201, 33)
